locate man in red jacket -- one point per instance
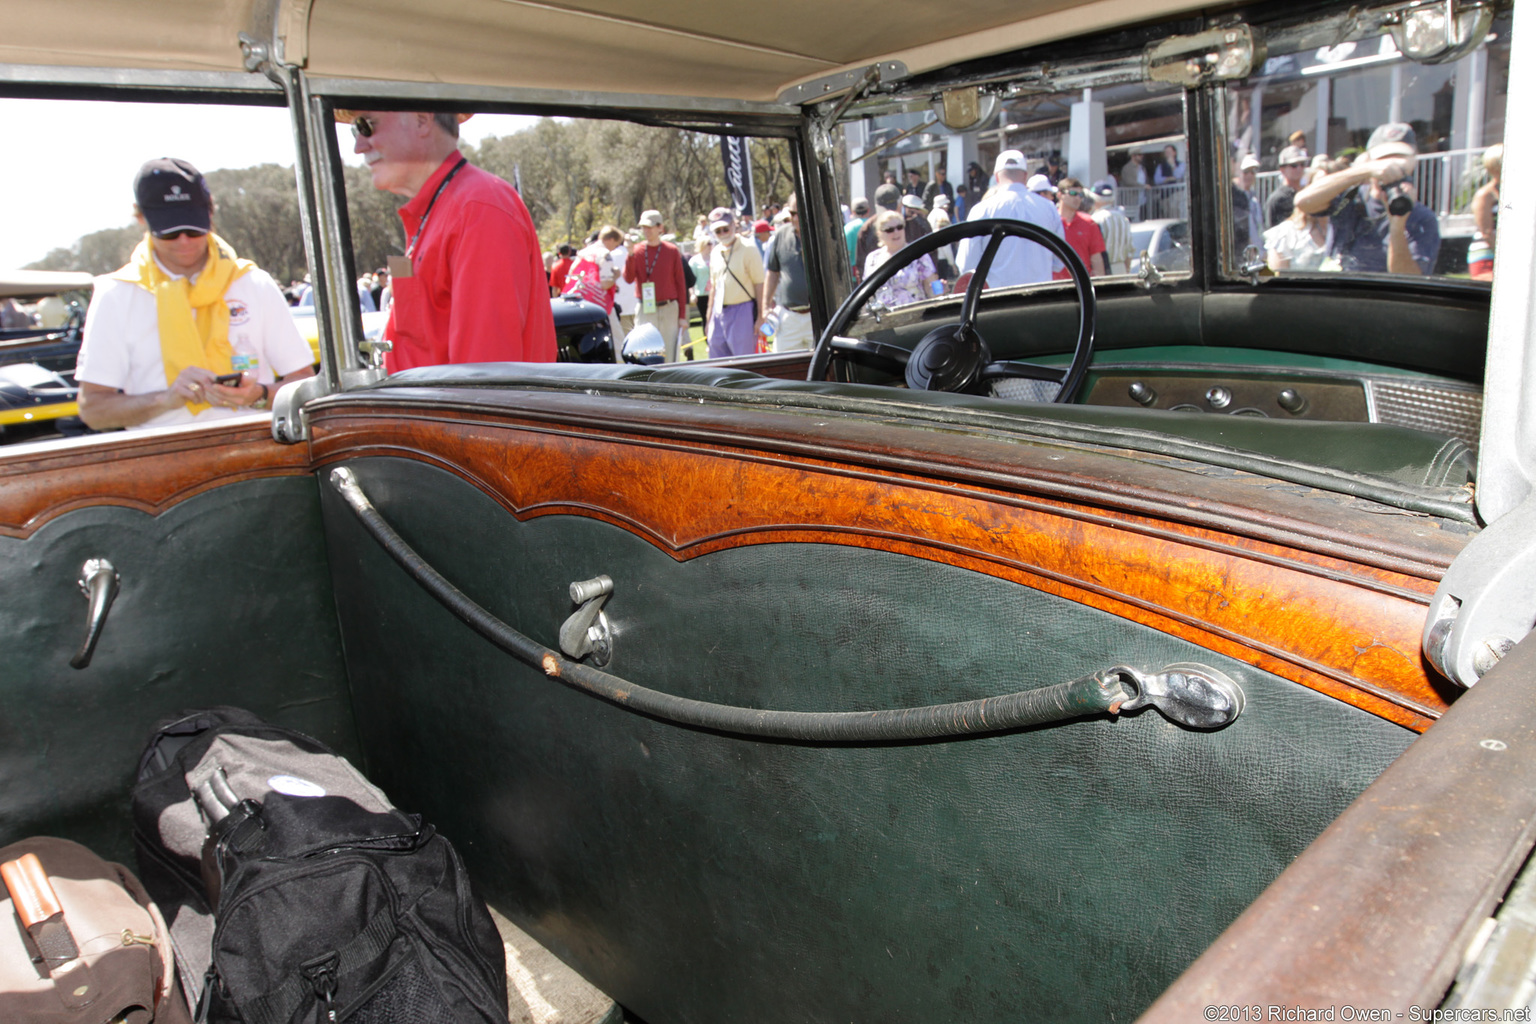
(656, 270)
(471, 286)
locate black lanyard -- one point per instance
(650, 263)
(411, 249)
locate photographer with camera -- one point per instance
(1379, 226)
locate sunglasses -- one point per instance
(893, 229)
(364, 126)
(722, 232)
(168, 236)
(1073, 192)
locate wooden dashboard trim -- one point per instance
(1233, 505)
(1262, 603)
(149, 472)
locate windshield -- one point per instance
(1106, 168)
(1326, 143)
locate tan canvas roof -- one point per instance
(35, 284)
(734, 50)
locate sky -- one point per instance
(84, 155)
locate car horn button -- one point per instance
(949, 358)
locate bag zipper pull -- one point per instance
(130, 939)
(210, 978)
(321, 973)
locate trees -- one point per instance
(256, 210)
(578, 175)
(575, 176)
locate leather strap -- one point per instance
(39, 909)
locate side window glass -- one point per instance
(1396, 164)
(66, 229)
(595, 192)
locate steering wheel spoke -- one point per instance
(954, 356)
(870, 347)
(1029, 371)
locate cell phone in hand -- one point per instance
(229, 380)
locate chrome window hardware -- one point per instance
(587, 630)
(99, 583)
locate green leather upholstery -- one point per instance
(1065, 873)
(225, 600)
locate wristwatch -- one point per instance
(261, 403)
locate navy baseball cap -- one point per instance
(173, 196)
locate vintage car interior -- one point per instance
(1076, 651)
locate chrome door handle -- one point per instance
(99, 583)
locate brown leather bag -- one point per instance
(81, 941)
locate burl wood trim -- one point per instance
(1282, 615)
(148, 473)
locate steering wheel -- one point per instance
(954, 356)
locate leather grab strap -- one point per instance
(39, 909)
(1189, 694)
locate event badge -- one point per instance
(648, 297)
(400, 266)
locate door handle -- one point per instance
(99, 583)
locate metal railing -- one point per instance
(1444, 181)
(1154, 202)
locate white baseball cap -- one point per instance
(1009, 160)
(1040, 183)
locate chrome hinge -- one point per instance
(1486, 601)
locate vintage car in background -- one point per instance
(37, 361)
(582, 331)
(1164, 240)
(1058, 652)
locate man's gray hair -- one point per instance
(448, 123)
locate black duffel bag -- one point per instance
(296, 892)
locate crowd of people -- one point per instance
(188, 329)
(744, 276)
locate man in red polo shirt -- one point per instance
(567, 255)
(471, 286)
(656, 271)
(1081, 232)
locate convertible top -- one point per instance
(737, 51)
(37, 284)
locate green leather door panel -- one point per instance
(1062, 873)
(225, 599)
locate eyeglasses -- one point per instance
(364, 126)
(168, 236)
(893, 229)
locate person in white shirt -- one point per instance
(1017, 261)
(1114, 225)
(186, 331)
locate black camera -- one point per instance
(1399, 203)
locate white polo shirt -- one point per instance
(120, 347)
(1017, 261)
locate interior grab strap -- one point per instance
(1190, 695)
